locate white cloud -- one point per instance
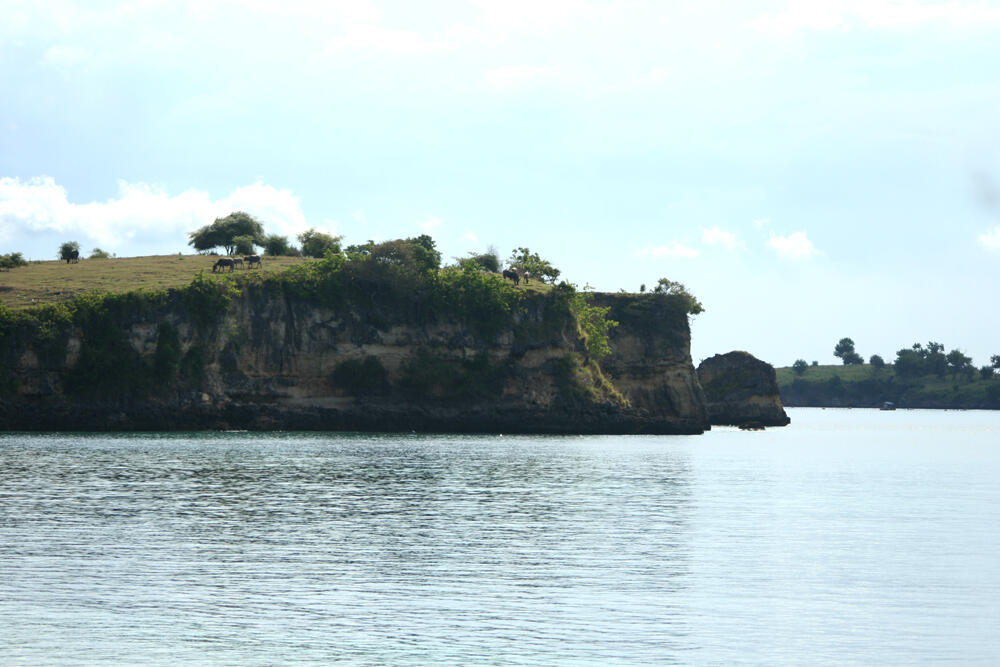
(761, 223)
(516, 76)
(469, 236)
(430, 224)
(990, 239)
(533, 15)
(141, 218)
(372, 37)
(65, 56)
(674, 249)
(716, 236)
(793, 246)
(825, 15)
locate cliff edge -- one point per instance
(331, 349)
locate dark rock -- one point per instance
(741, 390)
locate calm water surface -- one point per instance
(850, 537)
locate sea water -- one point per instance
(850, 537)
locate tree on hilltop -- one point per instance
(277, 245)
(800, 366)
(845, 350)
(224, 231)
(959, 363)
(317, 244)
(674, 288)
(69, 250)
(530, 262)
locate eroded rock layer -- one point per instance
(741, 390)
(271, 358)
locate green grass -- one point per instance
(845, 373)
(56, 281)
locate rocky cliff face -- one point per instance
(274, 360)
(741, 390)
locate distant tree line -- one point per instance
(915, 361)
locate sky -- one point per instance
(809, 170)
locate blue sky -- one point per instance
(810, 170)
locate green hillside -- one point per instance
(866, 386)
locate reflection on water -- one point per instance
(843, 539)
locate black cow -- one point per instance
(223, 264)
(252, 260)
(73, 256)
(513, 275)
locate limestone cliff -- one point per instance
(272, 357)
(741, 390)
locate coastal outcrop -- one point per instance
(741, 390)
(349, 355)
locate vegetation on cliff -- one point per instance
(156, 341)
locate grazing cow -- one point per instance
(513, 275)
(222, 264)
(237, 263)
(526, 276)
(252, 260)
(73, 256)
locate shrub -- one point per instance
(277, 245)
(67, 250)
(12, 261)
(317, 244)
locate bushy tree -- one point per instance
(667, 286)
(489, 260)
(413, 254)
(986, 372)
(958, 363)
(935, 360)
(223, 232)
(909, 362)
(530, 262)
(277, 245)
(97, 253)
(995, 361)
(877, 362)
(425, 252)
(243, 245)
(67, 250)
(12, 261)
(317, 244)
(845, 350)
(800, 366)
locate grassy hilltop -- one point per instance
(56, 281)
